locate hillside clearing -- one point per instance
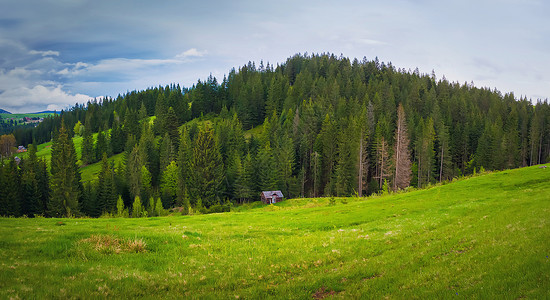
(482, 237)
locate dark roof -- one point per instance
(271, 193)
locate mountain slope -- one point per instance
(482, 237)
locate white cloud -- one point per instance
(193, 52)
(44, 53)
(38, 98)
(371, 42)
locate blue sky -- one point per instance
(56, 53)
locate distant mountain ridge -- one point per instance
(45, 112)
(2, 111)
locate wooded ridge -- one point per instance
(316, 125)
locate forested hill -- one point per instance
(330, 126)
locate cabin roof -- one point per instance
(271, 193)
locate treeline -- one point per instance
(329, 126)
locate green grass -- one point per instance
(256, 131)
(20, 116)
(89, 172)
(483, 237)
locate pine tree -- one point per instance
(118, 139)
(346, 167)
(425, 152)
(133, 172)
(267, 173)
(167, 153)
(120, 207)
(284, 161)
(362, 161)
(142, 114)
(31, 202)
(169, 184)
(184, 163)
(43, 179)
(65, 183)
(100, 146)
(401, 154)
(137, 208)
(159, 210)
(10, 204)
(327, 138)
(444, 157)
(171, 124)
(146, 187)
(207, 167)
(382, 159)
(160, 113)
(106, 198)
(87, 153)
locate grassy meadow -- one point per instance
(4, 116)
(88, 172)
(482, 237)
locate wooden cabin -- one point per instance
(270, 197)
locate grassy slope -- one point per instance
(89, 172)
(483, 237)
(20, 116)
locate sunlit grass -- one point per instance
(482, 237)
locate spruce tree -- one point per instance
(31, 198)
(87, 153)
(10, 196)
(65, 183)
(100, 146)
(106, 198)
(133, 172)
(401, 156)
(169, 184)
(267, 171)
(207, 167)
(184, 163)
(171, 124)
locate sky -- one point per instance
(54, 54)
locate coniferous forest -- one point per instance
(316, 125)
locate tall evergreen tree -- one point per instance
(107, 195)
(10, 195)
(401, 154)
(87, 152)
(65, 183)
(207, 167)
(100, 146)
(31, 198)
(169, 184)
(184, 163)
(267, 172)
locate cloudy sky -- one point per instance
(56, 53)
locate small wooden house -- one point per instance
(270, 197)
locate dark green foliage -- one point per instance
(118, 139)
(32, 199)
(207, 168)
(100, 146)
(184, 163)
(107, 192)
(87, 154)
(65, 183)
(329, 128)
(10, 193)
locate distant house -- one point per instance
(270, 197)
(21, 149)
